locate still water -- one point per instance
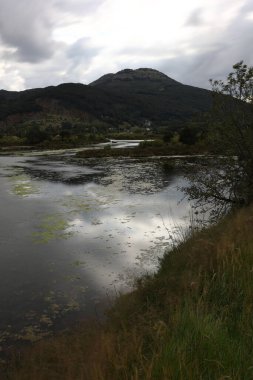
(74, 233)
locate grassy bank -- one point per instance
(192, 320)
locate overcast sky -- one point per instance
(47, 42)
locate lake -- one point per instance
(75, 233)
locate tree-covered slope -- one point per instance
(129, 95)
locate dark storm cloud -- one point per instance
(195, 18)
(68, 65)
(27, 25)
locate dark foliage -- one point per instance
(227, 180)
(132, 95)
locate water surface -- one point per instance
(76, 232)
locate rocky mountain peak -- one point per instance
(128, 75)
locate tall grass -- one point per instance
(192, 320)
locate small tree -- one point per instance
(35, 134)
(226, 179)
(189, 135)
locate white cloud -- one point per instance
(249, 16)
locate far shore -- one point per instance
(139, 151)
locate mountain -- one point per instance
(153, 95)
(131, 96)
(129, 76)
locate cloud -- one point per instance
(10, 78)
(27, 27)
(247, 7)
(202, 55)
(76, 6)
(80, 56)
(81, 51)
(70, 64)
(195, 18)
(213, 58)
(53, 41)
(29, 52)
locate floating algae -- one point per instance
(78, 263)
(41, 324)
(22, 186)
(46, 320)
(53, 227)
(79, 203)
(25, 189)
(32, 334)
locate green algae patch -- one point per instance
(25, 189)
(78, 263)
(79, 204)
(52, 227)
(22, 186)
